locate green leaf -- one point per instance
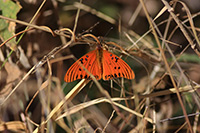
(189, 58)
(7, 28)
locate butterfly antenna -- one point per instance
(111, 28)
(89, 30)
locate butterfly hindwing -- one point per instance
(90, 61)
(115, 67)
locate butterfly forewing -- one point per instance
(90, 61)
(115, 67)
(101, 64)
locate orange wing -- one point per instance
(90, 61)
(115, 67)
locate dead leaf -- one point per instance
(13, 73)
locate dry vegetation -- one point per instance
(41, 39)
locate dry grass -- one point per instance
(159, 42)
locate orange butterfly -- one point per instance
(100, 63)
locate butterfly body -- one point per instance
(102, 64)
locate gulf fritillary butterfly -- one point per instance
(102, 64)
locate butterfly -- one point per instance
(102, 64)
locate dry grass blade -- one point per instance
(67, 98)
(44, 85)
(170, 10)
(93, 11)
(100, 100)
(191, 22)
(164, 57)
(187, 88)
(144, 41)
(15, 126)
(15, 36)
(43, 28)
(160, 13)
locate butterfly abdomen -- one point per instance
(100, 57)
